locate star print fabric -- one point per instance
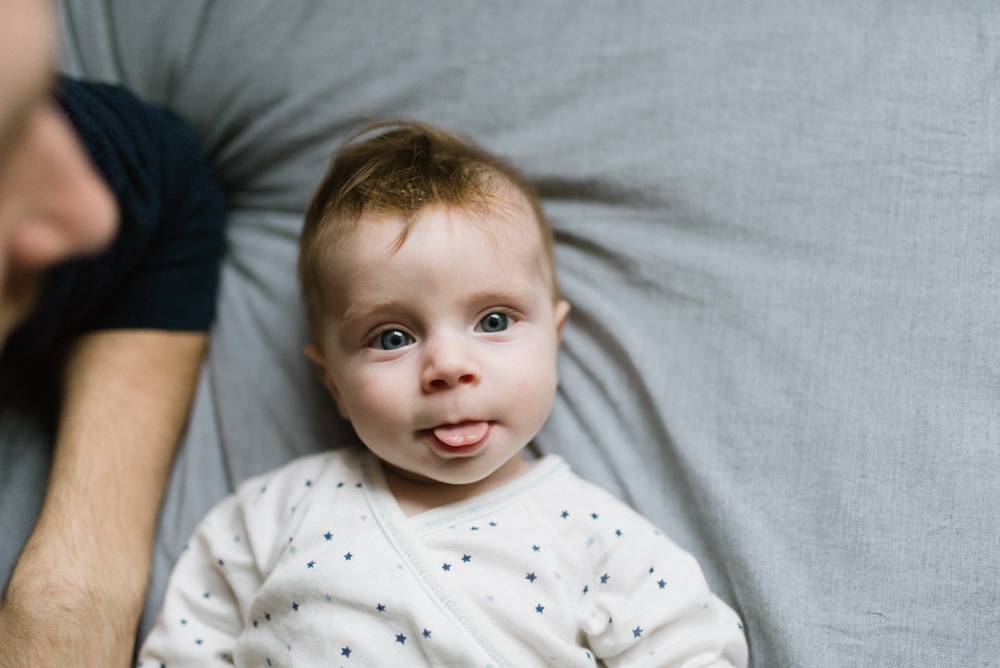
(316, 564)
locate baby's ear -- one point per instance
(562, 315)
(315, 355)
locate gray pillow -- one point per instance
(777, 224)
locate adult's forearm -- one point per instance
(127, 397)
(78, 588)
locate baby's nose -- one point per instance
(449, 364)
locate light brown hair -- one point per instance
(396, 169)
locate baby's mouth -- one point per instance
(461, 434)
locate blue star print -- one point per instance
(492, 571)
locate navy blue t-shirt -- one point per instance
(162, 269)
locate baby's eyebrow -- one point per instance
(507, 294)
(513, 287)
(365, 310)
(361, 311)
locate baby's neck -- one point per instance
(416, 495)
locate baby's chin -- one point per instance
(473, 474)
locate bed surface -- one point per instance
(778, 227)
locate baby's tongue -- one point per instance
(465, 433)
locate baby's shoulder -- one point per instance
(300, 476)
(581, 510)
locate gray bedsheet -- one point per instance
(778, 224)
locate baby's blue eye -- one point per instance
(495, 322)
(393, 339)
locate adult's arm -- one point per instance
(76, 594)
(135, 320)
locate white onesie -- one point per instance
(315, 564)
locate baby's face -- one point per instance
(442, 351)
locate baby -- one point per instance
(428, 274)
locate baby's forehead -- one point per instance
(506, 229)
(505, 216)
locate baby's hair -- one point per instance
(396, 169)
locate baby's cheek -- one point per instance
(535, 394)
(371, 399)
